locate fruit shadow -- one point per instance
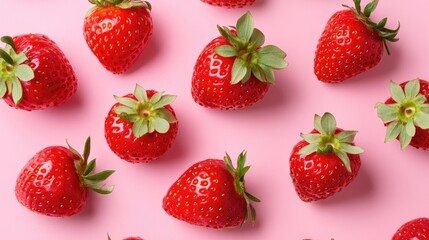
(75, 103)
(358, 191)
(259, 3)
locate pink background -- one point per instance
(390, 189)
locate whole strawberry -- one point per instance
(212, 193)
(234, 70)
(325, 162)
(229, 3)
(416, 229)
(406, 113)
(56, 180)
(117, 32)
(351, 43)
(34, 73)
(141, 127)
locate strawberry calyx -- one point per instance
(409, 111)
(327, 141)
(147, 115)
(238, 174)
(124, 4)
(384, 33)
(13, 70)
(250, 56)
(85, 170)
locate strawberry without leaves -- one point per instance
(212, 193)
(34, 73)
(351, 43)
(55, 181)
(416, 229)
(141, 127)
(229, 3)
(325, 162)
(406, 114)
(234, 70)
(117, 32)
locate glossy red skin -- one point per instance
(211, 81)
(346, 48)
(49, 184)
(415, 229)
(54, 80)
(124, 144)
(229, 3)
(205, 195)
(316, 177)
(127, 32)
(421, 138)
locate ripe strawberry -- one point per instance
(55, 181)
(351, 43)
(212, 193)
(34, 73)
(141, 127)
(416, 229)
(229, 3)
(324, 162)
(117, 32)
(406, 113)
(234, 71)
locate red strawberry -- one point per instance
(351, 44)
(34, 73)
(234, 71)
(141, 127)
(229, 3)
(212, 193)
(416, 229)
(325, 162)
(55, 181)
(117, 32)
(406, 113)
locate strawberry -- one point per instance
(406, 113)
(325, 162)
(56, 180)
(351, 43)
(212, 193)
(229, 3)
(117, 32)
(34, 73)
(234, 71)
(141, 127)
(416, 229)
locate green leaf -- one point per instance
(101, 176)
(226, 51)
(424, 108)
(412, 88)
(344, 158)
(381, 24)
(99, 189)
(90, 167)
(318, 124)
(166, 114)
(357, 5)
(329, 124)
(161, 125)
(24, 72)
(140, 128)
(309, 149)
(164, 101)
(257, 39)
(127, 101)
(74, 151)
(16, 91)
(259, 74)
(20, 58)
(247, 76)
(124, 109)
(346, 136)
(228, 164)
(268, 73)
(420, 99)
(397, 92)
(272, 61)
(245, 27)
(272, 50)
(140, 93)
(3, 88)
(87, 149)
(350, 149)
(6, 57)
(387, 112)
(369, 8)
(239, 70)
(9, 41)
(228, 35)
(410, 129)
(311, 138)
(156, 97)
(151, 127)
(130, 118)
(252, 197)
(404, 138)
(393, 130)
(422, 120)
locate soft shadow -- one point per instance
(259, 3)
(73, 104)
(176, 154)
(91, 206)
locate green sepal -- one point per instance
(410, 110)
(147, 115)
(250, 57)
(326, 141)
(124, 4)
(85, 170)
(238, 174)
